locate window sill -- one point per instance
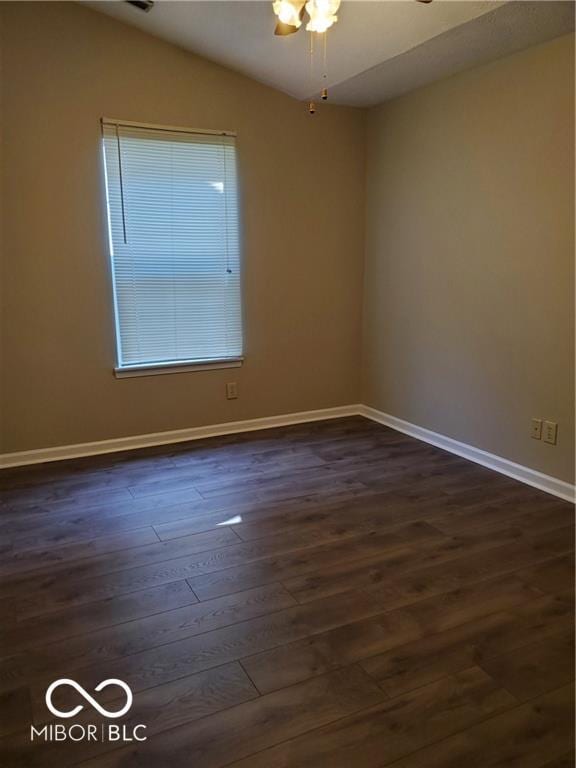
(163, 368)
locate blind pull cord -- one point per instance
(121, 186)
(223, 146)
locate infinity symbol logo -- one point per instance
(86, 695)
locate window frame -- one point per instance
(177, 366)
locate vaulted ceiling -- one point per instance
(377, 49)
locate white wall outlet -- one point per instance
(550, 432)
(231, 390)
(536, 431)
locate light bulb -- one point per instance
(288, 12)
(322, 14)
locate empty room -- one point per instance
(287, 384)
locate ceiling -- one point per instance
(377, 49)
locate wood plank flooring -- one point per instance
(317, 596)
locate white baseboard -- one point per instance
(63, 452)
(497, 463)
(524, 474)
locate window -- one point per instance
(174, 245)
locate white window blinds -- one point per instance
(174, 243)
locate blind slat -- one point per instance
(174, 243)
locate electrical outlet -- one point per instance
(550, 432)
(536, 431)
(231, 390)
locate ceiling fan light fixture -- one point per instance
(322, 14)
(289, 12)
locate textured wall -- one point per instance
(468, 291)
(302, 187)
(468, 322)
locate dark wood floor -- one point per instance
(326, 595)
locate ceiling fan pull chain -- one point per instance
(324, 94)
(311, 104)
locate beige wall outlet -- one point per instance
(231, 390)
(536, 429)
(550, 432)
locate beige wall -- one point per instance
(469, 267)
(468, 286)
(302, 183)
